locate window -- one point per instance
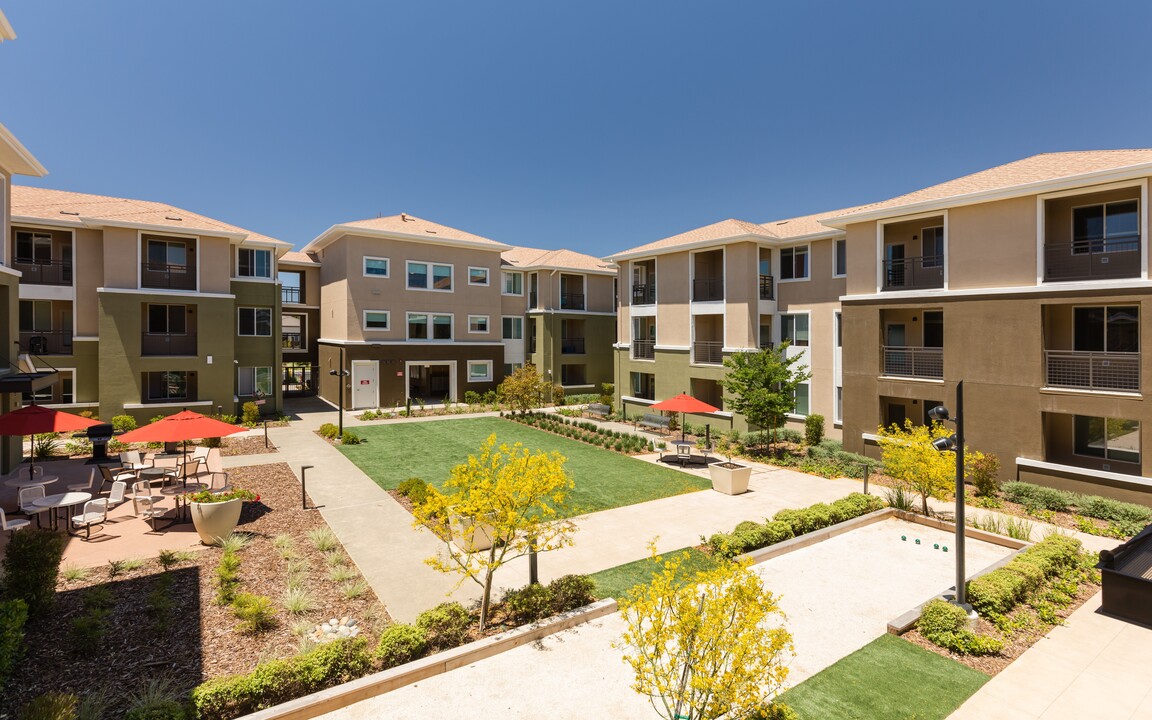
(376, 267)
(1106, 228)
(644, 385)
(418, 327)
(478, 276)
(794, 329)
(1115, 328)
(167, 319)
(429, 276)
(254, 381)
(376, 319)
(293, 332)
(839, 329)
(934, 328)
(33, 247)
(794, 263)
(510, 368)
(168, 385)
(513, 283)
(839, 409)
(1109, 438)
(801, 407)
(513, 328)
(477, 323)
(572, 375)
(839, 258)
(35, 316)
(165, 256)
(254, 263)
(932, 246)
(479, 371)
(254, 322)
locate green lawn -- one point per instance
(617, 581)
(888, 678)
(429, 450)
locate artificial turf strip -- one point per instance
(617, 581)
(887, 678)
(604, 479)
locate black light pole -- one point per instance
(956, 444)
(341, 374)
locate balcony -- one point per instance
(1092, 260)
(46, 343)
(1093, 370)
(571, 301)
(572, 346)
(167, 344)
(708, 352)
(167, 277)
(914, 362)
(532, 298)
(643, 294)
(292, 341)
(42, 272)
(644, 349)
(767, 287)
(707, 289)
(291, 295)
(914, 273)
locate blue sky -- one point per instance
(591, 125)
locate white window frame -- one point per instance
(431, 276)
(487, 324)
(255, 381)
(271, 263)
(387, 321)
(808, 392)
(387, 267)
(836, 243)
(807, 249)
(487, 276)
(514, 319)
(504, 275)
(429, 325)
(486, 363)
(255, 324)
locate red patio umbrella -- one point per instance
(183, 426)
(684, 403)
(36, 419)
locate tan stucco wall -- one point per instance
(992, 244)
(88, 275)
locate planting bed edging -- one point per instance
(334, 698)
(807, 539)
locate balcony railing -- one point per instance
(169, 277)
(914, 273)
(914, 362)
(46, 343)
(572, 346)
(644, 349)
(35, 272)
(1092, 260)
(1093, 370)
(291, 295)
(644, 294)
(167, 344)
(708, 352)
(706, 289)
(292, 341)
(571, 301)
(767, 287)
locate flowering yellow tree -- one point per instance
(911, 461)
(713, 647)
(517, 497)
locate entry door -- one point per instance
(895, 257)
(895, 415)
(365, 384)
(896, 362)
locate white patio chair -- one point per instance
(150, 509)
(132, 459)
(11, 525)
(197, 463)
(28, 471)
(212, 461)
(95, 513)
(218, 482)
(89, 486)
(115, 497)
(27, 495)
(142, 493)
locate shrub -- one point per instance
(529, 603)
(13, 615)
(1113, 510)
(329, 431)
(227, 578)
(571, 591)
(813, 429)
(31, 566)
(982, 472)
(1001, 590)
(350, 438)
(250, 413)
(156, 699)
(445, 625)
(789, 435)
(323, 539)
(123, 423)
(946, 625)
(50, 706)
(277, 681)
(400, 644)
(414, 489)
(45, 445)
(774, 711)
(1038, 496)
(471, 397)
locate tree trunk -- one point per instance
(486, 601)
(924, 499)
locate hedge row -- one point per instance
(999, 591)
(946, 625)
(584, 431)
(1040, 497)
(789, 523)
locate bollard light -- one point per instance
(304, 486)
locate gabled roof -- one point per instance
(298, 258)
(723, 231)
(405, 227)
(526, 258)
(15, 158)
(1029, 175)
(6, 31)
(60, 207)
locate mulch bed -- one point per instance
(195, 639)
(252, 445)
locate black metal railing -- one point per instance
(571, 301)
(1092, 260)
(37, 272)
(705, 289)
(572, 346)
(291, 295)
(914, 362)
(167, 344)
(1093, 370)
(170, 277)
(46, 343)
(644, 349)
(767, 287)
(292, 341)
(644, 294)
(299, 379)
(708, 352)
(914, 273)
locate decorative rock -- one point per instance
(334, 629)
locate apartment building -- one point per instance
(570, 326)
(299, 275)
(689, 301)
(142, 307)
(1029, 282)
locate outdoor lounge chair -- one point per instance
(95, 513)
(114, 475)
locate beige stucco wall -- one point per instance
(89, 274)
(992, 244)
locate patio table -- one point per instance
(684, 451)
(180, 494)
(20, 482)
(61, 500)
(157, 474)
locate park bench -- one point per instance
(656, 422)
(599, 410)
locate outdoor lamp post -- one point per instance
(341, 373)
(955, 442)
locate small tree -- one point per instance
(911, 461)
(982, 469)
(700, 651)
(761, 386)
(521, 497)
(525, 389)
